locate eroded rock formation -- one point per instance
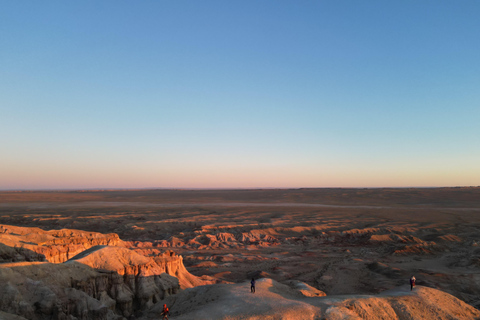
(99, 281)
(55, 246)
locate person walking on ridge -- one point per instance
(165, 312)
(252, 287)
(412, 282)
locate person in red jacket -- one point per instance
(165, 312)
(412, 282)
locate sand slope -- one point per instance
(274, 300)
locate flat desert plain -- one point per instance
(336, 241)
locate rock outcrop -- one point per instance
(41, 290)
(91, 287)
(100, 280)
(54, 246)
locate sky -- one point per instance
(239, 94)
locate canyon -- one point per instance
(327, 253)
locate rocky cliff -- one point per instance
(41, 290)
(100, 280)
(56, 246)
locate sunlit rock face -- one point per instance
(55, 246)
(88, 275)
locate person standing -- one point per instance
(165, 312)
(412, 282)
(252, 287)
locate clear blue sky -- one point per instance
(99, 94)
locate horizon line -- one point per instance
(219, 189)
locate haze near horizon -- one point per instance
(237, 94)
